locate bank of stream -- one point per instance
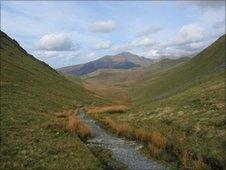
(122, 149)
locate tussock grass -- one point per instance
(142, 135)
(74, 125)
(63, 114)
(199, 163)
(120, 129)
(157, 145)
(124, 130)
(153, 151)
(158, 140)
(77, 126)
(184, 157)
(107, 109)
(110, 122)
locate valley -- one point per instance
(173, 109)
(183, 100)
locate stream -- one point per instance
(123, 150)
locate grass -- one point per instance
(77, 126)
(158, 140)
(31, 135)
(107, 109)
(185, 103)
(153, 151)
(169, 82)
(142, 135)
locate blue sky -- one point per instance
(72, 32)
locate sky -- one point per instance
(63, 33)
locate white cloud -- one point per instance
(177, 51)
(148, 31)
(56, 42)
(135, 44)
(145, 42)
(153, 53)
(103, 26)
(103, 45)
(188, 34)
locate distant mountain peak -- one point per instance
(123, 60)
(126, 53)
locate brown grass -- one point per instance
(158, 140)
(107, 109)
(153, 151)
(120, 129)
(109, 122)
(199, 164)
(84, 131)
(63, 114)
(184, 157)
(77, 126)
(182, 137)
(124, 130)
(142, 135)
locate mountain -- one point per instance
(31, 91)
(123, 60)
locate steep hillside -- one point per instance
(123, 60)
(166, 63)
(31, 91)
(186, 104)
(162, 84)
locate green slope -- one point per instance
(186, 104)
(31, 92)
(163, 84)
(187, 99)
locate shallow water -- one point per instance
(123, 150)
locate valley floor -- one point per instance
(123, 150)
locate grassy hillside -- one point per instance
(185, 103)
(187, 100)
(165, 83)
(30, 93)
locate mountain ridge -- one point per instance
(124, 60)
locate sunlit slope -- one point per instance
(163, 84)
(31, 92)
(188, 99)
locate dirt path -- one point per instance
(125, 151)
